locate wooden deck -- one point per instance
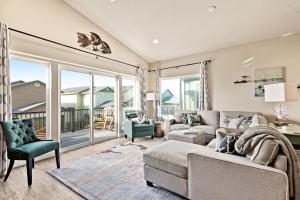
(83, 136)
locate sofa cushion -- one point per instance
(209, 117)
(175, 127)
(208, 129)
(212, 144)
(170, 157)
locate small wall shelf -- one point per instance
(243, 80)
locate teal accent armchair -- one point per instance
(133, 129)
(23, 144)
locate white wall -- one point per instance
(227, 66)
(55, 20)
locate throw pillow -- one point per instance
(258, 120)
(184, 118)
(193, 120)
(235, 122)
(212, 144)
(227, 144)
(178, 119)
(245, 123)
(265, 152)
(223, 132)
(226, 121)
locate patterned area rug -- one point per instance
(116, 173)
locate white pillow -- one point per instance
(258, 120)
(235, 122)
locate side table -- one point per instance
(291, 131)
(159, 129)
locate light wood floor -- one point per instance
(44, 186)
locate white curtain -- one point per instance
(203, 92)
(5, 92)
(157, 91)
(141, 89)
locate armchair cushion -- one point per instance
(142, 127)
(32, 150)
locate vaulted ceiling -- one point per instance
(185, 27)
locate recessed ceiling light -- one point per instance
(155, 41)
(287, 34)
(112, 0)
(212, 9)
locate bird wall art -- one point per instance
(93, 42)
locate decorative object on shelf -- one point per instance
(298, 87)
(94, 42)
(281, 93)
(243, 80)
(267, 76)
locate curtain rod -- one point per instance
(70, 47)
(178, 66)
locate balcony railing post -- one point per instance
(72, 120)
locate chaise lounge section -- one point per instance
(198, 172)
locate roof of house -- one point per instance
(85, 89)
(29, 107)
(23, 83)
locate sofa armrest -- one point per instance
(214, 175)
(167, 124)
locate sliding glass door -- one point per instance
(75, 108)
(104, 107)
(87, 115)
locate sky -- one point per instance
(30, 71)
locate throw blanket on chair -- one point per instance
(253, 136)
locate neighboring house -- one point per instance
(79, 97)
(28, 96)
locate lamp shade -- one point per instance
(152, 96)
(281, 92)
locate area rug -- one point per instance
(116, 173)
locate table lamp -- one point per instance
(281, 93)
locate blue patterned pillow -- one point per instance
(184, 117)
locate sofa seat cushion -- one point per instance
(143, 127)
(175, 127)
(208, 129)
(170, 157)
(35, 149)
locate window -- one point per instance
(29, 91)
(128, 93)
(179, 94)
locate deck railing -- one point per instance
(168, 109)
(71, 119)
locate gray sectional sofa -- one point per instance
(210, 121)
(199, 172)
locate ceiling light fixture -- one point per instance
(112, 0)
(155, 41)
(212, 8)
(287, 34)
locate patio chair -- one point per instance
(109, 113)
(23, 144)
